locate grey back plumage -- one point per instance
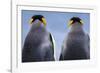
(37, 46)
(76, 44)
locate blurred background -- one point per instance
(57, 25)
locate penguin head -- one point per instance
(38, 17)
(75, 20)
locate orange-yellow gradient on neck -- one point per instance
(44, 21)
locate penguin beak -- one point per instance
(44, 21)
(30, 21)
(70, 22)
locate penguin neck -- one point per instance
(76, 27)
(37, 25)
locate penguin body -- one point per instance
(76, 44)
(38, 44)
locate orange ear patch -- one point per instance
(70, 22)
(30, 21)
(44, 21)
